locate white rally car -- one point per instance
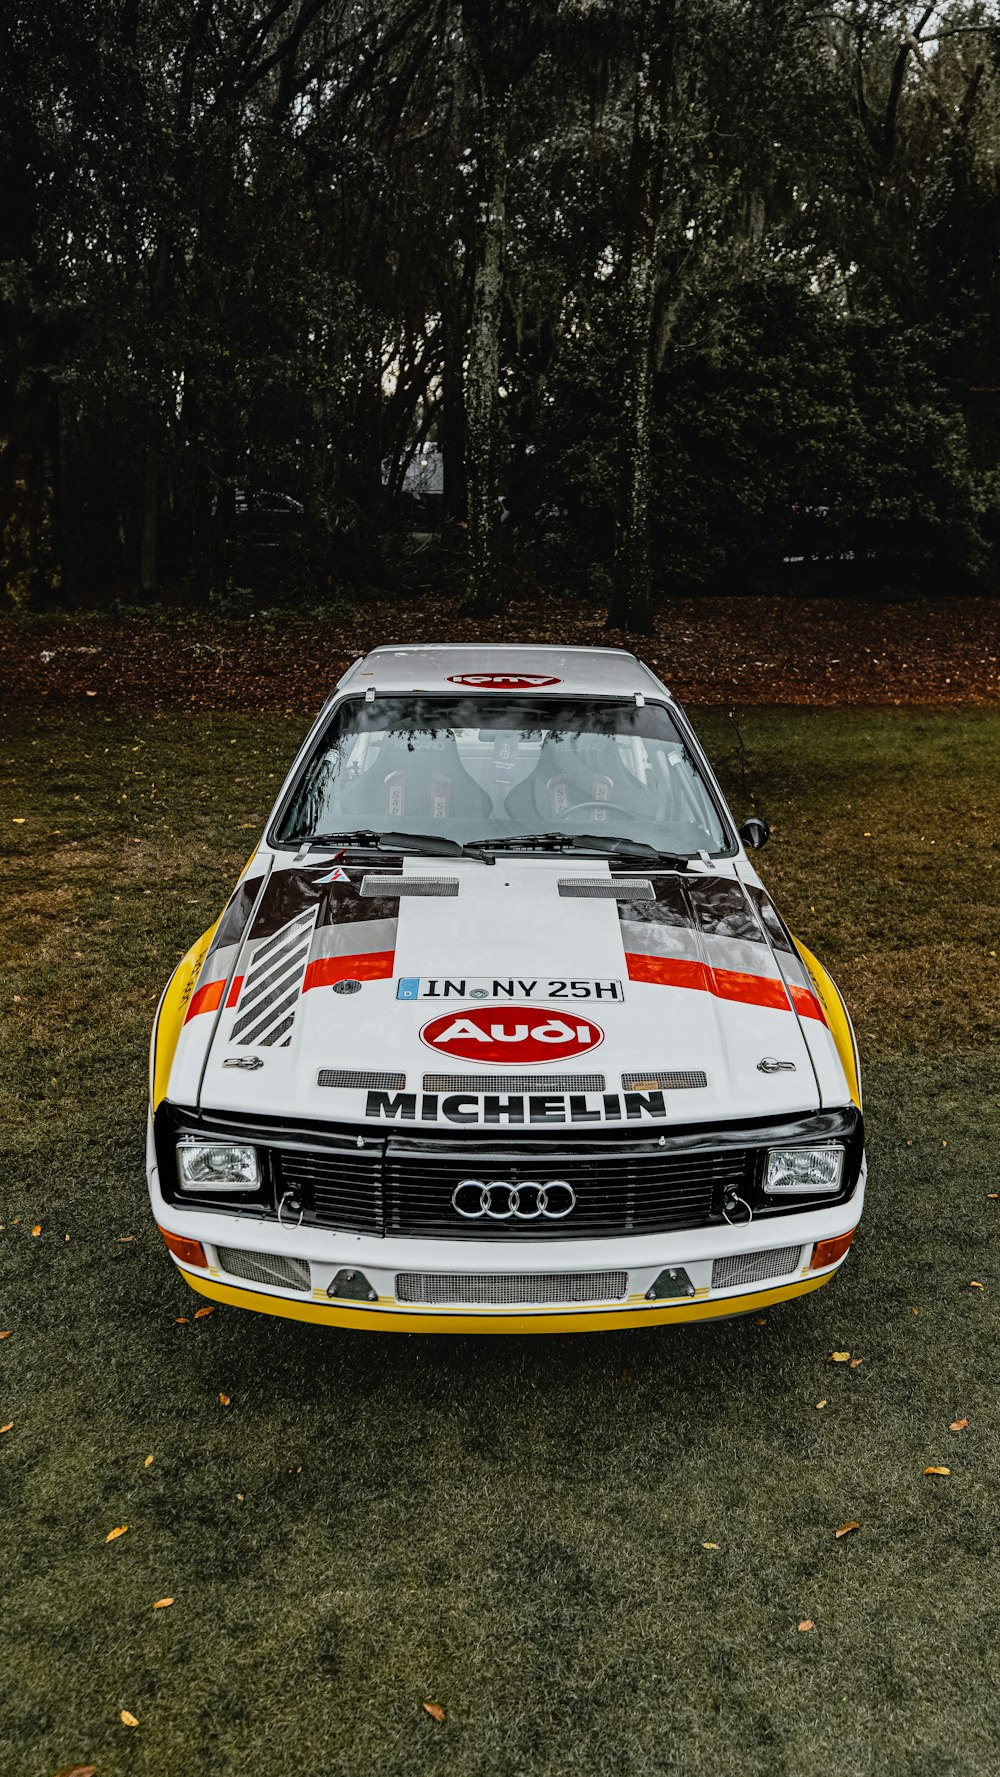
(500, 1031)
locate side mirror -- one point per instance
(755, 832)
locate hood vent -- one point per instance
(358, 1080)
(388, 887)
(664, 1082)
(514, 1083)
(606, 888)
(272, 985)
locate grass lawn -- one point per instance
(513, 1529)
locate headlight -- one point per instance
(808, 1172)
(217, 1167)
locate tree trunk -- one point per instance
(30, 572)
(631, 604)
(149, 526)
(452, 421)
(482, 404)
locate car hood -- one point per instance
(534, 991)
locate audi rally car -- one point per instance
(500, 1030)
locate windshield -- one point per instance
(491, 768)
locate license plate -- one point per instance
(507, 987)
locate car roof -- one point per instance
(474, 667)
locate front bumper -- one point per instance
(639, 1261)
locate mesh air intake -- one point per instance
(388, 887)
(358, 1080)
(273, 1268)
(618, 888)
(514, 1083)
(739, 1268)
(671, 1081)
(509, 1291)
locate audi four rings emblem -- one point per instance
(504, 1202)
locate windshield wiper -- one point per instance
(431, 845)
(599, 845)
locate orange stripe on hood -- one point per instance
(206, 999)
(372, 965)
(805, 1002)
(726, 984)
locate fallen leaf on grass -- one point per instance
(77, 1771)
(839, 1357)
(628, 1376)
(119, 1531)
(17, 820)
(124, 1238)
(709, 1545)
(36, 1230)
(200, 1313)
(915, 1311)
(4, 1335)
(937, 1470)
(224, 1398)
(973, 1285)
(162, 1603)
(845, 1529)
(806, 1625)
(181, 1320)
(8, 1427)
(993, 1194)
(130, 1720)
(147, 1462)
(434, 1709)
(762, 1322)
(820, 1404)
(855, 1361)
(958, 1425)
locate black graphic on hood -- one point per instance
(295, 891)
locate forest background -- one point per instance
(660, 297)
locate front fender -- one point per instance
(170, 1015)
(837, 1017)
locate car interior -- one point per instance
(476, 782)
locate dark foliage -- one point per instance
(674, 295)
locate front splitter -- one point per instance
(387, 1317)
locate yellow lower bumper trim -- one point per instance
(419, 1320)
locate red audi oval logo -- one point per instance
(515, 1036)
(502, 681)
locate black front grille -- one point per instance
(617, 1192)
(335, 1188)
(396, 1182)
(405, 1187)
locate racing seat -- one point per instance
(582, 769)
(417, 776)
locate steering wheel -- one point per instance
(617, 806)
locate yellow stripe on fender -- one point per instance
(170, 1012)
(170, 1016)
(383, 1320)
(828, 994)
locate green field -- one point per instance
(513, 1529)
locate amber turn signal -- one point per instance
(190, 1252)
(827, 1252)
